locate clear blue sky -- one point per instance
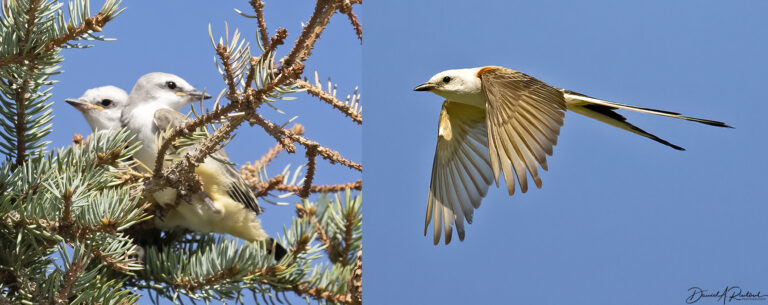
(172, 36)
(620, 219)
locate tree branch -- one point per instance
(258, 7)
(330, 99)
(281, 134)
(21, 94)
(310, 175)
(74, 270)
(324, 9)
(319, 293)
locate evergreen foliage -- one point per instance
(76, 223)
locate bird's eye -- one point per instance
(446, 79)
(170, 85)
(106, 102)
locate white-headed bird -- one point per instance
(226, 204)
(498, 120)
(101, 106)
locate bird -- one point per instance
(496, 120)
(101, 107)
(153, 91)
(226, 204)
(229, 204)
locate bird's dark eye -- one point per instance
(106, 102)
(171, 85)
(446, 79)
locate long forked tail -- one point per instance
(604, 111)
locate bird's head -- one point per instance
(457, 85)
(101, 106)
(170, 90)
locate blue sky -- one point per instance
(620, 219)
(172, 36)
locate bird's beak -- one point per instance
(425, 87)
(195, 95)
(83, 106)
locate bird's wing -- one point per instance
(461, 172)
(235, 186)
(524, 120)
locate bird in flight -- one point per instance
(496, 119)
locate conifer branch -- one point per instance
(319, 293)
(332, 188)
(20, 94)
(324, 9)
(281, 135)
(76, 268)
(330, 99)
(258, 7)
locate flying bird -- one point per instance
(496, 119)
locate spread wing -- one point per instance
(234, 184)
(461, 172)
(524, 120)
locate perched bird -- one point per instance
(226, 204)
(155, 91)
(495, 120)
(101, 107)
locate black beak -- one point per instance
(198, 95)
(424, 87)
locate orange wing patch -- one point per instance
(485, 69)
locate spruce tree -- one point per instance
(76, 222)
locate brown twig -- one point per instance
(225, 56)
(21, 94)
(355, 283)
(90, 24)
(322, 236)
(346, 8)
(281, 134)
(258, 7)
(324, 9)
(11, 60)
(356, 24)
(74, 270)
(330, 99)
(310, 175)
(270, 185)
(111, 262)
(357, 185)
(320, 293)
(349, 233)
(274, 151)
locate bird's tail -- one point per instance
(279, 250)
(603, 111)
(570, 95)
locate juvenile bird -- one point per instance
(226, 204)
(155, 91)
(496, 119)
(101, 107)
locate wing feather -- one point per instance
(524, 120)
(461, 171)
